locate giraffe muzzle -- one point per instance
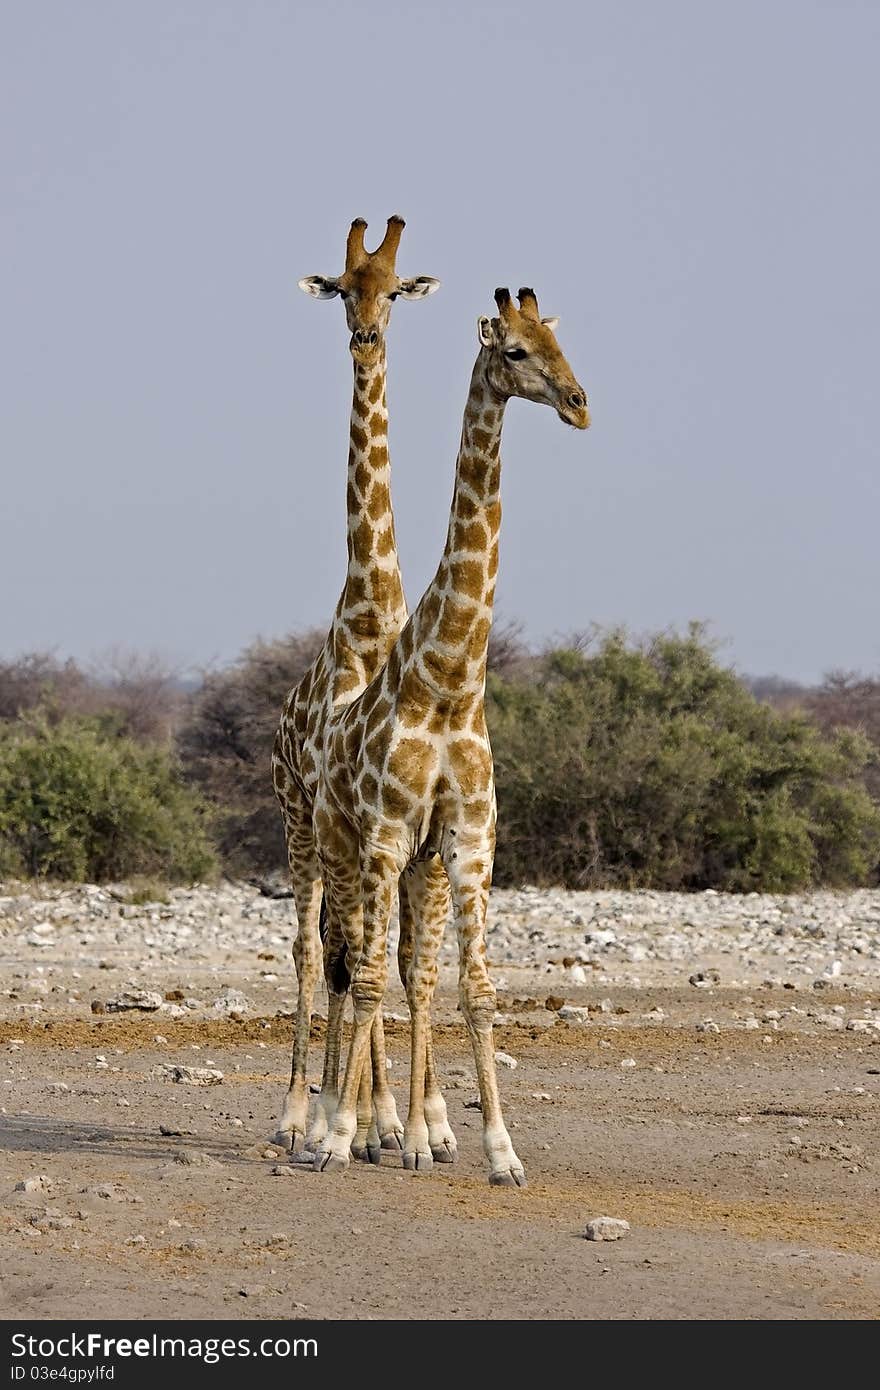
(365, 344)
(575, 410)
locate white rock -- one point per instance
(573, 1013)
(606, 1228)
(504, 1059)
(193, 1076)
(147, 1000)
(40, 1183)
(231, 1001)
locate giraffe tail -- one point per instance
(335, 954)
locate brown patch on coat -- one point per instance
(412, 762)
(470, 764)
(468, 577)
(456, 622)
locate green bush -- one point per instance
(80, 802)
(650, 765)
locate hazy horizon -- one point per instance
(692, 189)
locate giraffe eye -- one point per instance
(516, 354)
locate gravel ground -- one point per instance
(705, 1067)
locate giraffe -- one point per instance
(407, 774)
(369, 615)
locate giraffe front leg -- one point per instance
(388, 1126)
(470, 873)
(328, 1097)
(428, 1135)
(424, 906)
(379, 874)
(441, 1138)
(365, 1145)
(307, 960)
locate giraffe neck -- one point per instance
(452, 622)
(371, 608)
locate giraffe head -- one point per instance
(524, 359)
(369, 286)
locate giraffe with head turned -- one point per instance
(369, 615)
(407, 775)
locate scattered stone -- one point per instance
(554, 1002)
(40, 1183)
(231, 1001)
(252, 1290)
(135, 1240)
(193, 1076)
(279, 1240)
(191, 1247)
(196, 1158)
(504, 1059)
(704, 979)
(574, 1013)
(708, 1025)
(606, 1228)
(831, 1020)
(145, 1000)
(282, 1170)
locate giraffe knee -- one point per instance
(478, 1003)
(368, 989)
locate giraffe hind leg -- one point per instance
(307, 892)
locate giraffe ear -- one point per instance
(552, 324)
(319, 286)
(419, 287)
(485, 331)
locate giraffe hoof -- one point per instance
(328, 1162)
(415, 1162)
(374, 1154)
(284, 1138)
(393, 1141)
(445, 1152)
(508, 1177)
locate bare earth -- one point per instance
(745, 1159)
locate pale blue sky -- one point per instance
(692, 187)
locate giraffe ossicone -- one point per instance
(406, 781)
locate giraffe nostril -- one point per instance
(576, 400)
(374, 337)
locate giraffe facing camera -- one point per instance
(368, 286)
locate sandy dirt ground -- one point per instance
(746, 1160)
